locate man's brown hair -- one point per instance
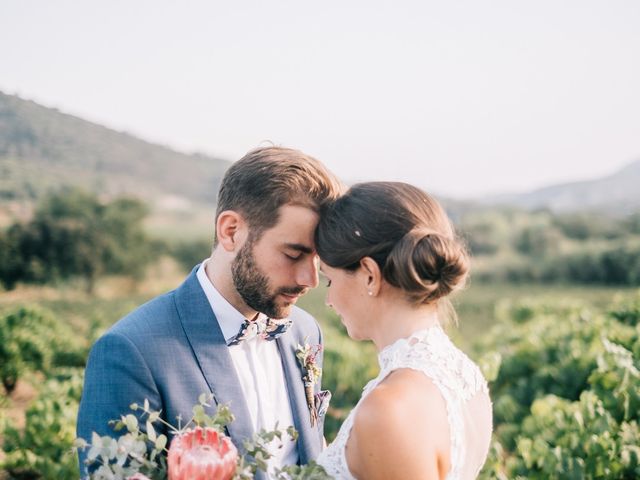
(267, 178)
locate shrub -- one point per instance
(567, 394)
(44, 449)
(32, 340)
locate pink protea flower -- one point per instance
(202, 454)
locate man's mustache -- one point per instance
(293, 290)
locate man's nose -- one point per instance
(308, 273)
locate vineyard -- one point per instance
(564, 379)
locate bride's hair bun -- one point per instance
(427, 265)
(404, 230)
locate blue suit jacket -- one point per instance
(169, 351)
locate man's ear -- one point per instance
(231, 230)
(372, 275)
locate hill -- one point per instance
(618, 193)
(42, 149)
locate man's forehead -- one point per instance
(290, 211)
(296, 225)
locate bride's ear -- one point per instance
(372, 275)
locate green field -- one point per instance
(46, 401)
(475, 306)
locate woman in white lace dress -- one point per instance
(391, 258)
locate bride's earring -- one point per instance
(372, 276)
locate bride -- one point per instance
(391, 258)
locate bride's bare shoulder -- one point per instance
(404, 396)
(403, 418)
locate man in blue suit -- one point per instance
(232, 327)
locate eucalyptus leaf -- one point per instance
(161, 442)
(151, 433)
(131, 422)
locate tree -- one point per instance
(73, 234)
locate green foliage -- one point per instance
(537, 240)
(567, 394)
(627, 311)
(32, 340)
(617, 264)
(486, 232)
(632, 223)
(189, 254)
(347, 367)
(141, 450)
(585, 226)
(73, 234)
(563, 379)
(44, 449)
(519, 246)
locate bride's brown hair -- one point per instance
(404, 230)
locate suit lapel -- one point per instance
(212, 354)
(308, 445)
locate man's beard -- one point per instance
(253, 285)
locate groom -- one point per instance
(202, 337)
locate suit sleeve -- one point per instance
(115, 377)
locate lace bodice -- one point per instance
(458, 379)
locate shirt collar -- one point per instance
(229, 319)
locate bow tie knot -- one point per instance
(263, 327)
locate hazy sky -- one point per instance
(460, 97)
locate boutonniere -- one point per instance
(307, 356)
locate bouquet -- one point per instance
(200, 450)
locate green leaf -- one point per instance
(131, 422)
(151, 433)
(161, 442)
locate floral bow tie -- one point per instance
(263, 327)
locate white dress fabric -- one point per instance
(463, 389)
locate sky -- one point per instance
(462, 98)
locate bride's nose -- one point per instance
(327, 301)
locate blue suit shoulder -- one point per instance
(305, 326)
(304, 318)
(157, 315)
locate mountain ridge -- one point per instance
(42, 149)
(617, 193)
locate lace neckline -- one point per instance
(424, 335)
(430, 351)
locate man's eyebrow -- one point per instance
(300, 247)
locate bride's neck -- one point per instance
(400, 320)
